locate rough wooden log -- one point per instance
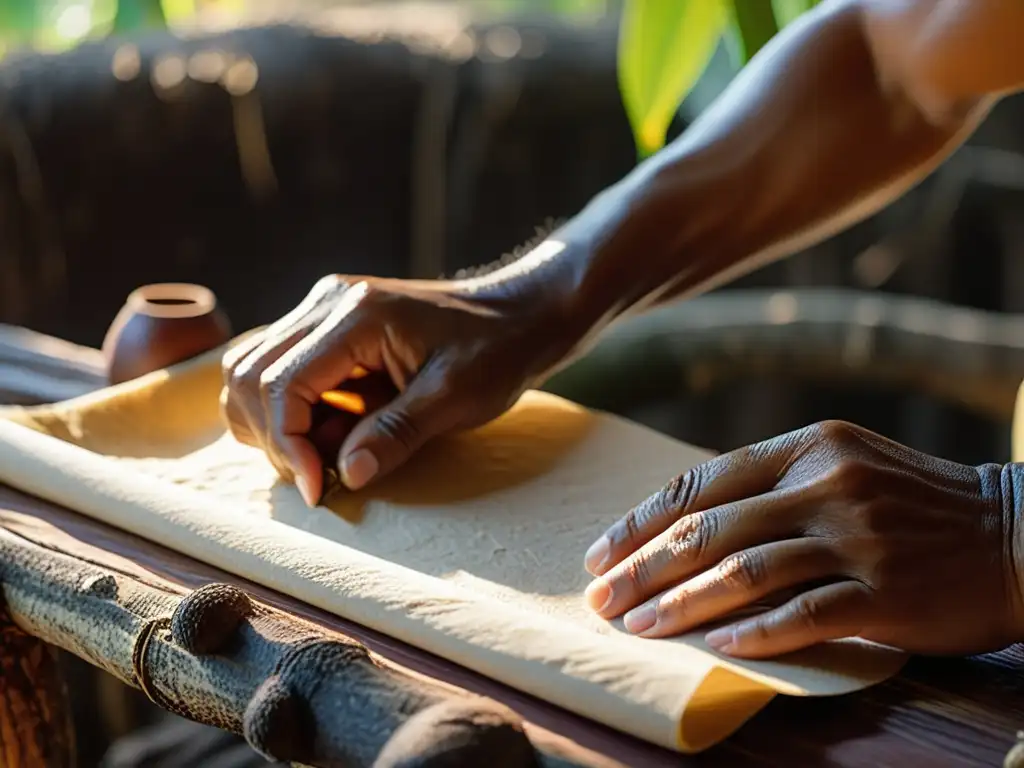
(295, 691)
(35, 715)
(955, 354)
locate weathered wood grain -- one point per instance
(35, 716)
(937, 712)
(296, 691)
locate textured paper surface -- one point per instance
(473, 552)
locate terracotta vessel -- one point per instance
(160, 325)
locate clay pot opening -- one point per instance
(173, 300)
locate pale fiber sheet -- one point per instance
(473, 552)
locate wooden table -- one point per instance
(938, 712)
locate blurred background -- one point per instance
(256, 145)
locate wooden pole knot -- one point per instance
(277, 723)
(103, 586)
(460, 732)
(205, 621)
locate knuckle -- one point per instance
(237, 355)
(245, 378)
(676, 606)
(851, 478)
(833, 430)
(679, 494)
(806, 612)
(641, 517)
(272, 384)
(692, 536)
(633, 522)
(352, 303)
(881, 571)
(399, 427)
(328, 284)
(758, 631)
(364, 290)
(638, 572)
(744, 571)
(229, 362)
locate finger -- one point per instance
(831, 612)
(293, 384)
(736, 582)
(245, 398)
(313, 307)
(230, 407)
(236, 421)
(694, 543)
(742, 473)
(387, 438)
(239, 399)
(238, 353)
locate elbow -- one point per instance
(907, 66)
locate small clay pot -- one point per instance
(161, 325)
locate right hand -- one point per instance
(456, 360)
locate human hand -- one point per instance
(875, 540)
(455, 359)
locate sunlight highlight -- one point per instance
(74, 22)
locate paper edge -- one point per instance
(181, 520)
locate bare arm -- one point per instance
(841, 114)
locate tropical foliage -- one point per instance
(665, 46)
(53, 25)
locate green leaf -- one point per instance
(664, 47)
(133, 15)
(753, 25)
(559, 8)
(19, 20)
(787, 11)
(178, 9)
(575, 7)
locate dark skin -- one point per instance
(844, 112)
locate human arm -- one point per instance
(838, 116)
(842, 113)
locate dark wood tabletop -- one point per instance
(937, 712)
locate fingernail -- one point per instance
(358, 469)
(303, 485)
(722, 640)
(597, 556)
(641, 619)
(598, 595)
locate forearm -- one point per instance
(807, 140)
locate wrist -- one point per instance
(537, 295)
(1004, 487)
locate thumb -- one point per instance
(388, 437)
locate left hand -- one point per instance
(878, 541)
